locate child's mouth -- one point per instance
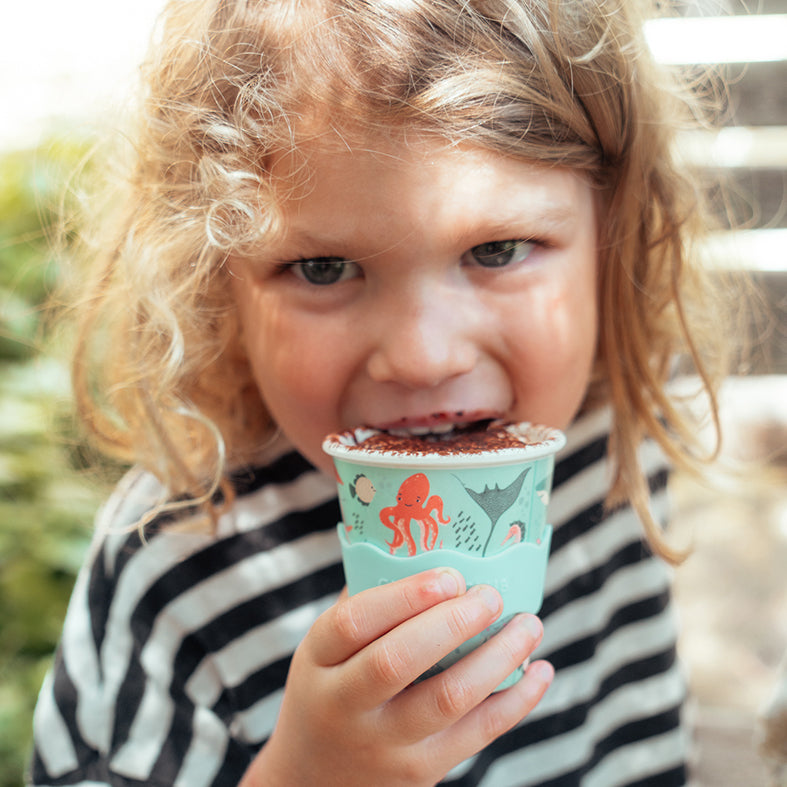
(440, 429)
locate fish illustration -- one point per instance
(515, 533)
(363, 489)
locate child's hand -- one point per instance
(351, 714)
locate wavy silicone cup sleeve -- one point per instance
(474, 502)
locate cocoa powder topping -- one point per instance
(477, 439)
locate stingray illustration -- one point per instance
(496, 501)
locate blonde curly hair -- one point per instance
(159, 373)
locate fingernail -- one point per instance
(450, 581)
(490, 598)
(542, 670)
(532, 624)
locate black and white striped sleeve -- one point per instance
(174, 650)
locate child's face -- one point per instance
(420, 285)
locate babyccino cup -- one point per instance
(474, 499)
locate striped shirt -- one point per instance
(175, 647)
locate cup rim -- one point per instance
(348, 446)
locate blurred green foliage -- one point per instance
(47, 496)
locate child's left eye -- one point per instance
(324, 271)
(499, 253)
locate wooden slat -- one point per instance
(758, 94)
(752, 199)
(731, 7)
(768, 325)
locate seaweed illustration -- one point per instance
(466, 533)
(358, 525)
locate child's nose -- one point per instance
(422, 341)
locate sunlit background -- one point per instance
(67, 62)
(66, 67)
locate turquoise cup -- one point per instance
(481, 511)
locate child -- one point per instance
(403, 213)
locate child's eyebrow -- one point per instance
(298, 240)
(543, 220)
(542, 217)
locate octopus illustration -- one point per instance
(413, 503)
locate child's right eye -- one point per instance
(323, 270)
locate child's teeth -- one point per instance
(400, 432)
(442, 428)
(421, 431)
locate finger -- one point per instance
(494, 716)
(432, 706)
(392, 663)
(355, 621)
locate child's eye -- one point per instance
(324, 270)
(499, 253)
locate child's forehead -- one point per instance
(320, 146)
